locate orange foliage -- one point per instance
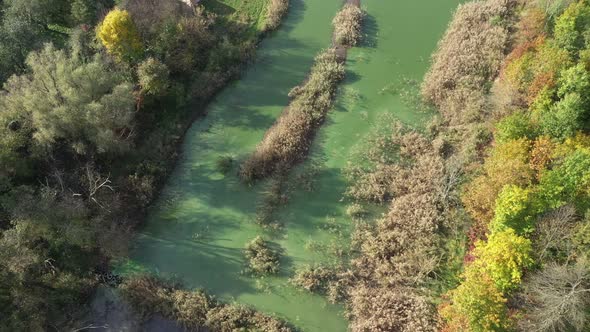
(540, 81)
(541, 154)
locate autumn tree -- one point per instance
(119, 36)
(476, 305)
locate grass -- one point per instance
(252, 12)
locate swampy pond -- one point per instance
(197, 229)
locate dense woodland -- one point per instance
(487, 222)
(95, 97)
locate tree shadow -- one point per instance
(370, 32)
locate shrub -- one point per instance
(376, 309)
(313, 278)
(191, 308)
(195, 310)
(275, 12)
(347, 25)
(224, 164)
(148, 295)
(153, 77)
(355, 211)
(262, 258)
(118, 34)
(468, 57)
(230, 318)
(274, 195)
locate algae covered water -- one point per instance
(197, 229)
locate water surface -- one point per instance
(197, 229)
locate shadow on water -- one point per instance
(370, 32)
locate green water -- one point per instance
(198, 227)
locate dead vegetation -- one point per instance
(275, 13)
(289, 139)
(468, 59)
(195, 310)
(348, 25)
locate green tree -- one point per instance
(570, 26)
(153, 77)
(565, 118)
(568, 181)
(84, 11)
(516, 208)
(25, 27)
(85, 106)
(515, 126)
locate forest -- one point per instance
(276, 165)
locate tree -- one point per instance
(477, 305)
(568, 181)
(85, 106)
(118, 34)
(507, 164)
(570, 26)
(515, 208)
(84, 11)
(503, 257)
(513, 127)
(25, 27)
(558, 298)
(153, 77)
(565, 118)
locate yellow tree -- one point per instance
(119, 35)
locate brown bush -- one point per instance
(386, 161)
(468, 58)
(289, 139)
(348, 25)
(275, 12)
(387, 310)
(261, 257)
(195, 310)
(231, 318)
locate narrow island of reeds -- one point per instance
(290, 138)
